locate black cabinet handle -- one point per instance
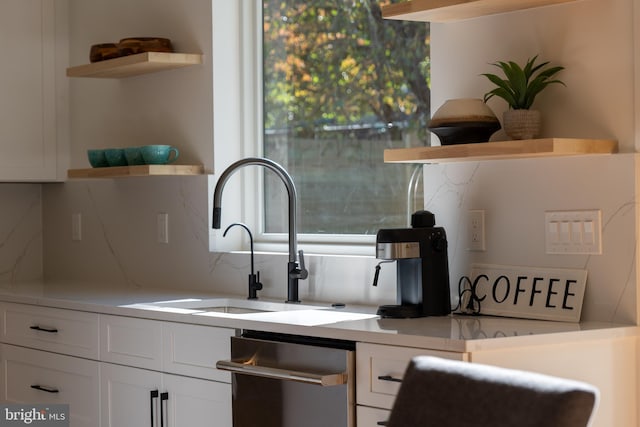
(44, 329)
(45, 388)
(382, 423)
(389, 378)
(163, 398)
(153, 395)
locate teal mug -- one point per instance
(133, 156)
(159, 154)
(115, 157)
(97, 159)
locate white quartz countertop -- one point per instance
(449, 333)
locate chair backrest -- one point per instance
(446, 393)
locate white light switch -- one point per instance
(573, 232)
(163, 228)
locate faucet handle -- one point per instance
(303, 271)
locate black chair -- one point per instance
(446, 393)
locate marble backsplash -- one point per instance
(20, 233)
(119, 248)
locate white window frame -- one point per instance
(250, 57)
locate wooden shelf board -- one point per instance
(530, 148)
(134, 65)
(141, 170)
(454, 10)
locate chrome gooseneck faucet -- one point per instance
(295, 272)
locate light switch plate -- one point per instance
(163, 228)
(573, 232)
(76, 227)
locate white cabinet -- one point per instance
(134, 397)
(194, 350)
(115, 371)
(61, 331)
(129, 396)
(39, 377)
(132, 342)
(170, 374)
(34, 135)
(379, 372)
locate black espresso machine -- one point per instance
(422, 267)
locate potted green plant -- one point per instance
(519, 89)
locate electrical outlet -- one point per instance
(476, 230)
(163, 228)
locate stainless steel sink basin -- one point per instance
(233, 310)
(259, 310)
(225, 306)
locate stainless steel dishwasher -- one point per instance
(291, 381)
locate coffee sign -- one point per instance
(528, 292)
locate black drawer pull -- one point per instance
(389, 378)
(44, 329)
(382, 423)
(45, 388)
(154, 395)
(164, 397)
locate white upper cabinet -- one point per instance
(33, 90)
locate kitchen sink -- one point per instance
(260, 310)
(224, 306)
(233, 310)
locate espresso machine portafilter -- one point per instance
(422, 271)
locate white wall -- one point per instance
(592, 38)
(172, 107)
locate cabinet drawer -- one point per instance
(371, 417)
(62, 331)
(38, 377)
(131, 341)
(379, 371)
(193, 350)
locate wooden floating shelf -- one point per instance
(524, 149)
(455, 10)
(134, 65)
(141, 170)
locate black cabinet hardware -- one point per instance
(389, 378)
(382, 423)
(45, 388)
(44, 329)
(153, 395)
(163, 398)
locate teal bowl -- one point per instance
(97, 158)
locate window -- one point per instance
(339, 85)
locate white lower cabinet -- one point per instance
(197, 403)
(608, 364)
(115, 371)
(371, 417)
(163, 374)
(134, 397)
(379, 372)
(40, 377)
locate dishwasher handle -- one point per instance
(244, 368)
